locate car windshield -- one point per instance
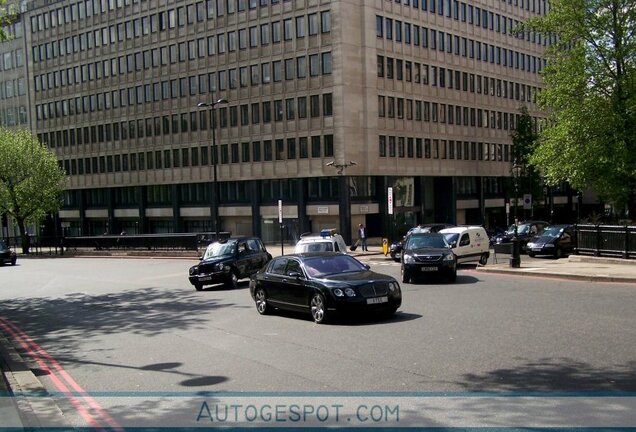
(552, 232)
(451, 237)
(326, 265)
(316, 247)
(217, 249)
(522, 229)
(429, 241)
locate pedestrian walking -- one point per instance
(362, 237)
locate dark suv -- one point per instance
(7, 255)
(227, 261)
(395, 250)
(427, 254)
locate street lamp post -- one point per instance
(515, 259)
(345, 197)
(215, 191)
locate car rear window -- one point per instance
(317, 247)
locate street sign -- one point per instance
(527, 201)
(390, 200)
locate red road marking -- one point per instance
(39, 354)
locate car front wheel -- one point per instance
(260, 298)
(318, 308)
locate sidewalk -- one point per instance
(574, 267)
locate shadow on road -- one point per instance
(554, 375)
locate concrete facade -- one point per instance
(329, 103)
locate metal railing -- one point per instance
(153, 242)
(606, 240)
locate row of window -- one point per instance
(12, 59)
(270, 191)
(454, 79)
(256, 151)
(84, 9)
(192, 122)
(425, 148)
(254, 113)
(323, 188)
(299, 67)
(482, 51)
(399, 31)
(446, 7)
(13, 116)
(220, 43)
(14, 30)
(434, 112)
(12, 88)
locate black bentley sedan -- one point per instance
(323, 283)
(227, 261)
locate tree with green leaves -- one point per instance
(589, 139)
(4, 20)
(31, 181)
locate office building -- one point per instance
(380, 112)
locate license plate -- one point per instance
(536, 249)
(205, 278)
(428, 269)
(376, 300)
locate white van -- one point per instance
(470, 243)
(327, 241)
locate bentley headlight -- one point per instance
(530, 245)
(394, 287)
(449, 257)
(193, 270)
(339, 292)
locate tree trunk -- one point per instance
(24, 236)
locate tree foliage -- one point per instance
(5, 18)
(589, 139)
(31, 181)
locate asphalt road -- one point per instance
(136, 325)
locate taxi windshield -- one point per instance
(217, 249)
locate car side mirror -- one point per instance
(295, 274)
(201, 258)
(453, 244)
(367, 266)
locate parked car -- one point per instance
(7, 255)
(228, 261)
(327, 241)
(323, 283)
(395, 249)
(469, 243)
(556, 240)
(428, 254)
(525, 231)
